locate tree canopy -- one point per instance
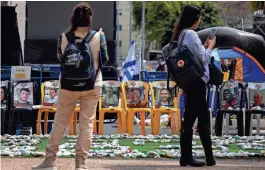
(160, 17)
(257, 5)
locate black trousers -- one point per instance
(196, 107)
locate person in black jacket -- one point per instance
(196, 104)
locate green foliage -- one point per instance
(160, 16)
(256, 5)
(210, 15)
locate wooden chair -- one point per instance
(111, 105)
(51, 108)
(170, 106)
(136, 102)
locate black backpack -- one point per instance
(216, 75)
(183, 67)
(77, 64)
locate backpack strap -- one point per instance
(87, 39)
(168, 77)
(182, 38)
(89, 36)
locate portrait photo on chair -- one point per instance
(230, 96)
(163, 97)
(23, 94)
(110, 96)
(3, 96)
(256, 95)
(51, 93)
(135, 98)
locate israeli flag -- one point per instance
(132, 65)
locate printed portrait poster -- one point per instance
(23, 94)
(163, 97)
(4, 94)
(110, 94)
(134, 93)
(225, 64)
(230, 95)
(51, 93)
(256, 95)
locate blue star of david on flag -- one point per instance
(132, 65)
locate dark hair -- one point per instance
(190, 14)
(81, 16)
(25, 89)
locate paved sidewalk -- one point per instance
(130, 164)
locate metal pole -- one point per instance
(143, 37)
(118, 34)
(242, 20)
(130, 23)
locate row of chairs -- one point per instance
(126, 99)
(242, 99)
(232, 98)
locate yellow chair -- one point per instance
(111, 105)
(159, 88)
(50, 108)
(131, 87)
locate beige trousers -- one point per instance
(66, 105)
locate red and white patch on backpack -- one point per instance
(180, 63)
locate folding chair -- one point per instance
(230, 102)
(49, 98)
(22, 101)
(164, 101)
(211, 97)
(5, 104)
(255, 105)
(136, 100)
(110, 103)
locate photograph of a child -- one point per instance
(230, 95)
(51, 92)
(110, 94)
(256, 95)
(23, 94)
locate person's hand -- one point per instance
(100, 31)
(211, 43)
(206, 44)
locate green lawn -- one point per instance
(149, 146)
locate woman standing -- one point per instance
(80, 29)
(196, 104)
